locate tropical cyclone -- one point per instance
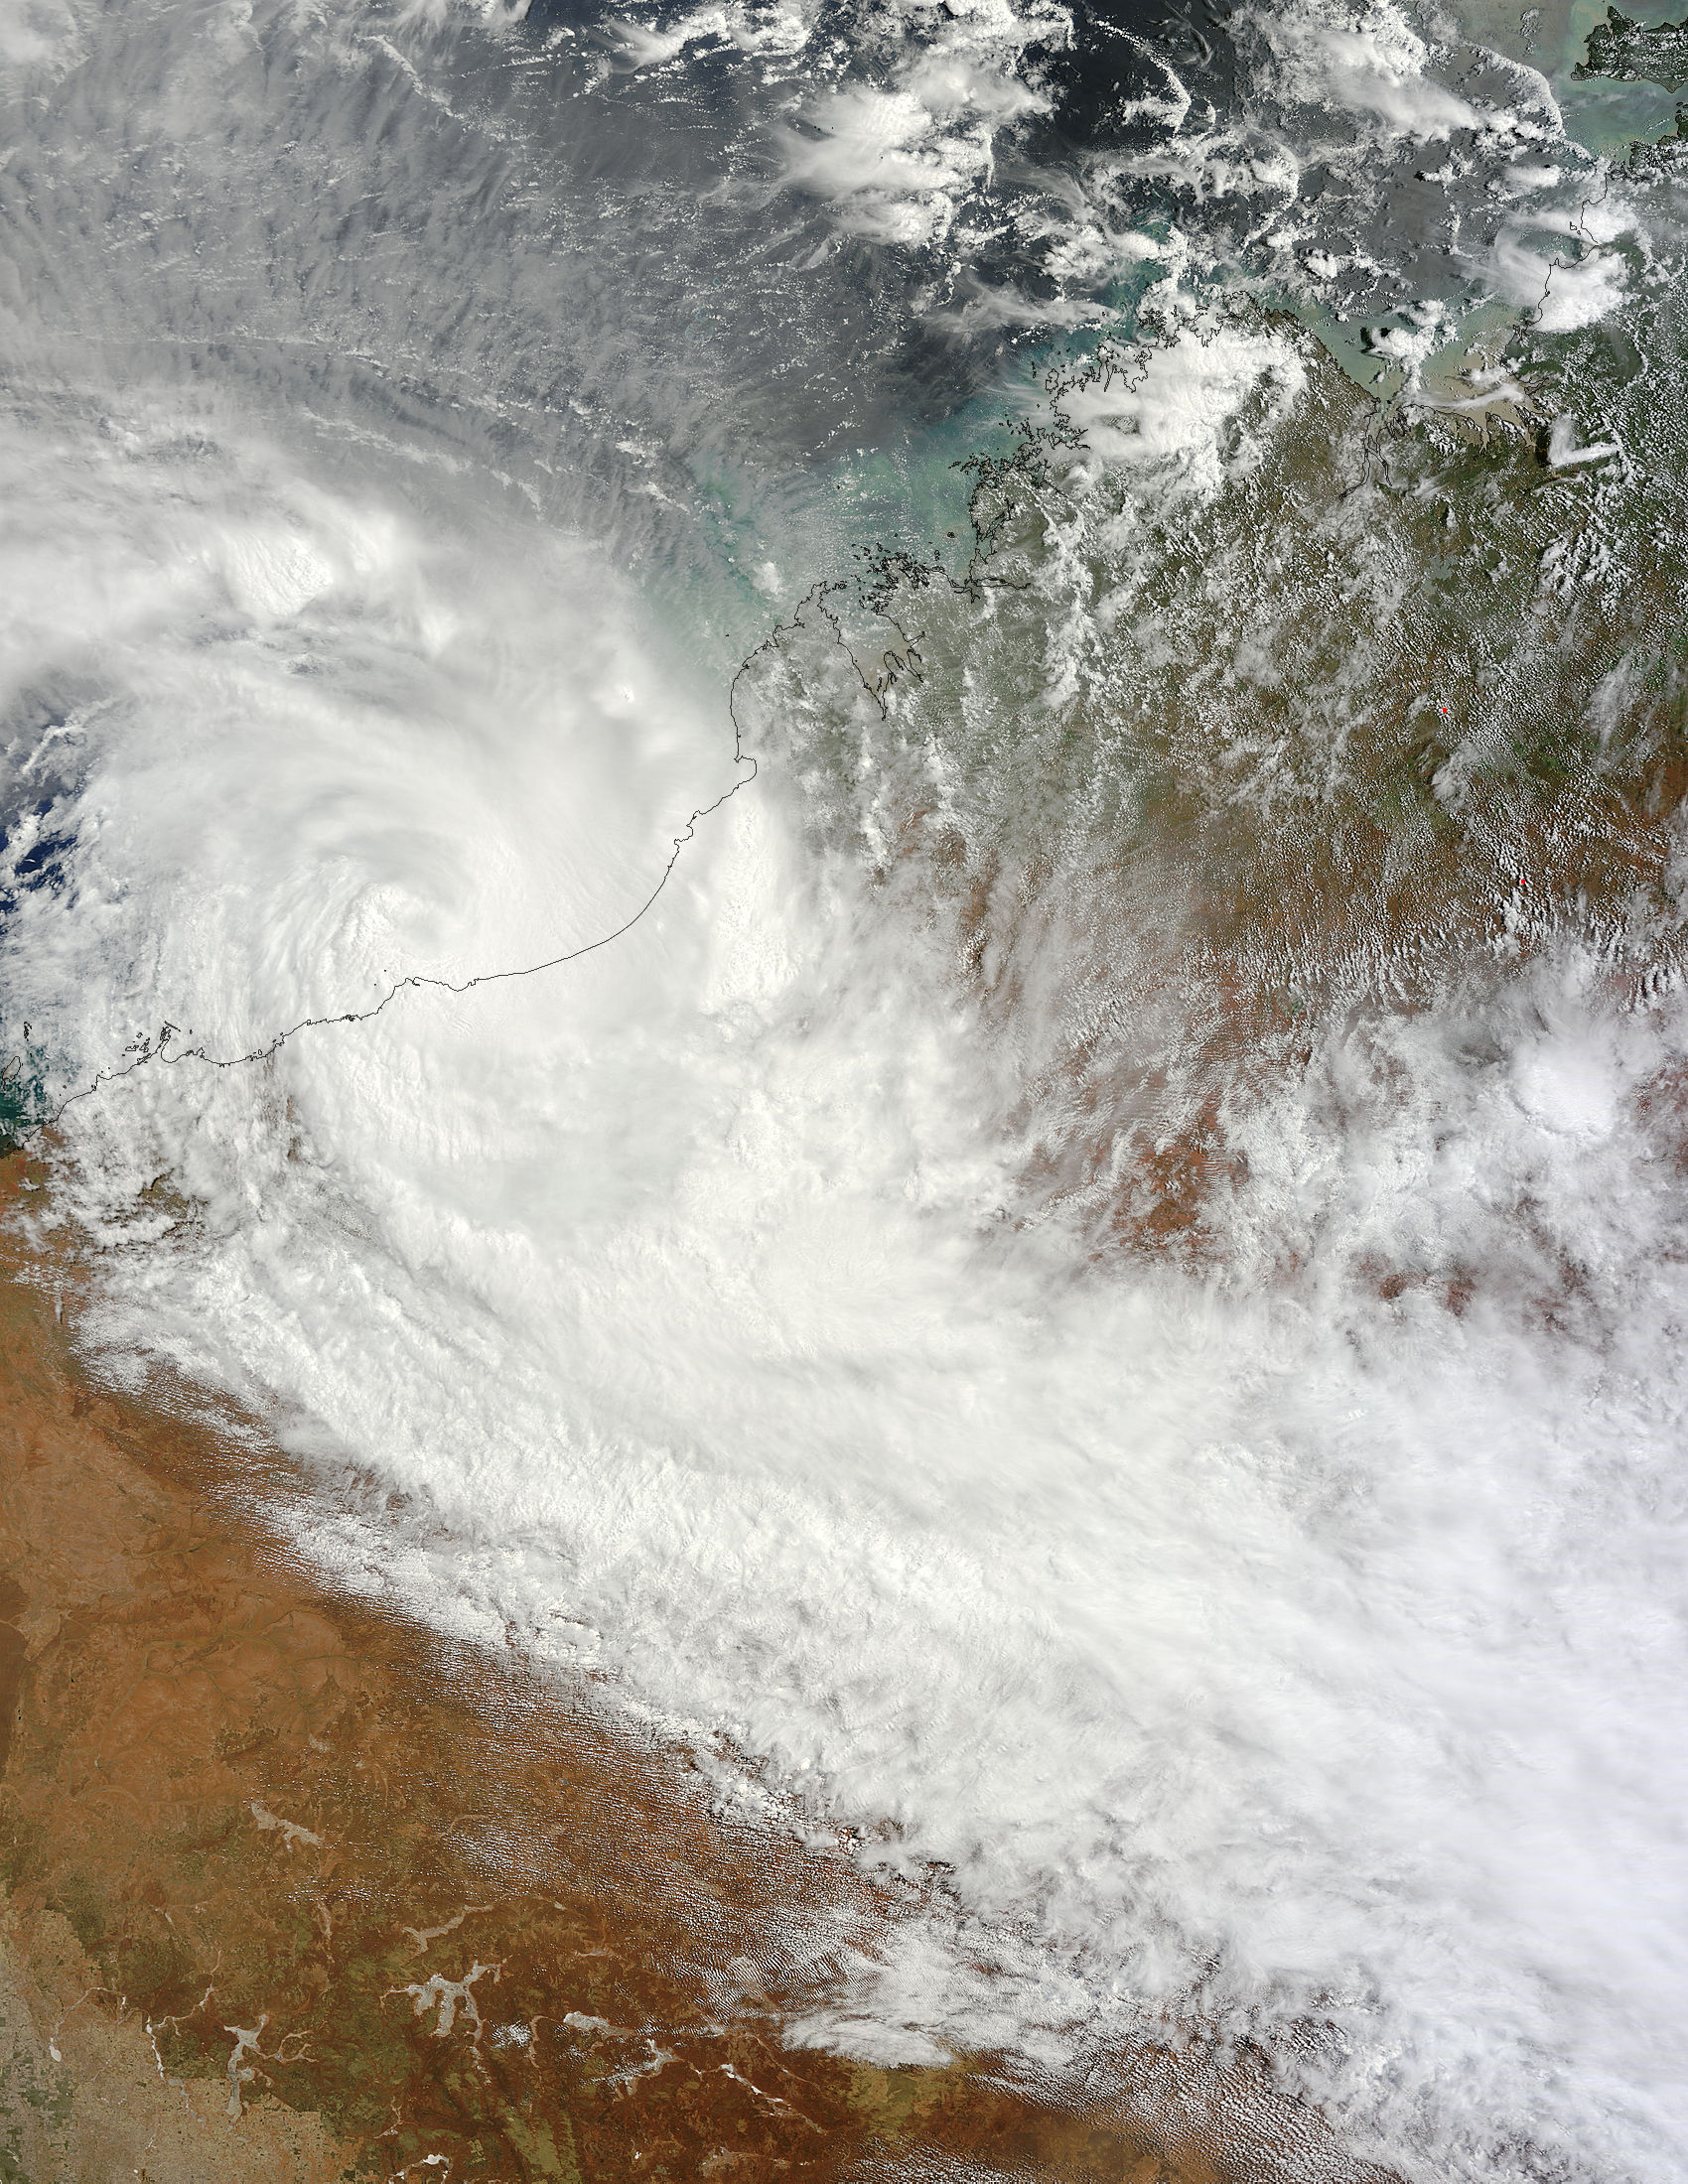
(1088, 1304)
(1320, 1026)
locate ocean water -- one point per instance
(1003, 1141)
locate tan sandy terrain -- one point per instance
(294, 1892)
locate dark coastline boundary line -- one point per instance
(884, 570)
(158, 1049)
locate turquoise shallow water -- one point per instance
(802, 1302)
(1604, 116)
(1610, 117)
(770, 536)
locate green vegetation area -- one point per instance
(1633, 53)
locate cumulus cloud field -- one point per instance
(1249, 1652)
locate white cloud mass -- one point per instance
(1269, 1653)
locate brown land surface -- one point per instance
(295, 1890)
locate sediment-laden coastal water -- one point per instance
(841, 932)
